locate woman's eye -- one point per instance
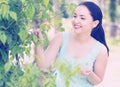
(74, 16)
(83, 18)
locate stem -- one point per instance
(17, 58)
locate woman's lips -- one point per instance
(77, 26)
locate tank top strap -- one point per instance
(96, 50)
(65, 38)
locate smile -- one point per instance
(77, 26)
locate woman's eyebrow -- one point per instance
(79, 15)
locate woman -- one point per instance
(84, 46)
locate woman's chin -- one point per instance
(77, 31)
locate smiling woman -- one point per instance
(84, 47)
(82, 17)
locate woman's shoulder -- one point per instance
(103, 51)
(57, 37)
(102, 47)
(60, 35)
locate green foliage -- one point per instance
(118, 11)
(112, 9)
(3, 37)
(21, 78)
(67, 71)
(114, 41)
(63, 9)
(16, 17)
(30, 76)
(9, 75)
(71, 8)
(59, 24)
(16, 23)
(48, 78)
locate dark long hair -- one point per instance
(96, 13)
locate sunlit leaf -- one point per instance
(75, 71)
(30, 11)
(3, 37)
(23, 1)
(60, 1)
(4, 55)
(35, 39)
(9, 84)
(46, 2)
(8, 66)
(5, 11)
(13, 15)
(23, 34)
(4, 1)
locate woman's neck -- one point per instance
(82, 38)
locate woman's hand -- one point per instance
(92, 77)
(38, 33)
(86, 72)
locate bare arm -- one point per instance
(47, 57)
(100, 67)
(97, 76)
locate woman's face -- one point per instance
(82, 21)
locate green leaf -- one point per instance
(15, 50)
(75, 71)
(0, 17)
(7, 66)
(13, 15)
(30, 11)
(9, 84)
(20, 72)
(4, 1)
(46, 2)
(46, 16)
(61, 29)
(23, 34)
(67, 71)
(50, 7)
(0, 14)
(11, 44)
(5, 11)
(57, 21)
(4, 55)
(23, 1)
(60, 1)
(1, 83)
(35, 39)
(3, 37)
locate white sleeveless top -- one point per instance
(85, 62)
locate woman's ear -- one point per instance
(96, 22)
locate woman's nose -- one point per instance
(76, 20)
